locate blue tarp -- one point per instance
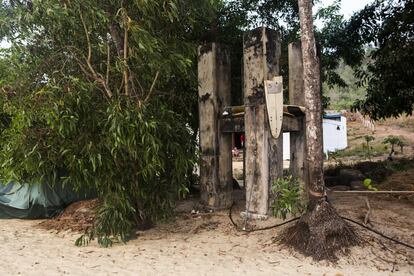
(35, 200)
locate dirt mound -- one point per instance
(77, 217)
(399, 181)
(321, 234)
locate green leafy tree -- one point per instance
(387, 26)
(401, 144)
(393, 141)
(235, 16)
(100, 95)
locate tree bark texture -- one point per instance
(216, 178)
(313, 103)
(264, 154)
(320, 232)
(296, 97)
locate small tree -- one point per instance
(393, 141)
(368, 139)
(401, 144)
(287, 197)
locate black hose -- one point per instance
(257, 229)
(379, 233)
(294, 219)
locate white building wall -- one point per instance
(286, 146)
(334, 137)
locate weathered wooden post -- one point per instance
(297, 97)
(214, 94)
(264, 154)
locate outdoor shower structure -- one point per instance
(263, 120)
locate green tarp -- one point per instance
(36, 200)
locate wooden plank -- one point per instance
(297, 97)
(216, 181)
(292, 124)
(264, 154)
(236, 124)
(232, 125)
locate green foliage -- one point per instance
(400, 165)
(235, 16)
(388, 26)
(369, 138)
(334, 47)
(335, 155)
(368, 184)
(344, 97)
(131, 156)
(114, 218)
(361, 151)
(401, 144)
(394, 141)
(367, 146)
(287, 197)
(100, 96)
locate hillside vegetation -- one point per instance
(344, 97)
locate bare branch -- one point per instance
(121, 85)
(98, 77)
(126, 77)
(114, 30)
(366, 220)
(119, 40)
(93, 75)
(139, 84)
(152, 86)
(88, 40)
(108, 62)
(88, 74)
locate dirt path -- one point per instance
(205, 245)
(383, 131)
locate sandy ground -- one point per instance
(207, 244)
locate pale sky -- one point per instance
(349, 6)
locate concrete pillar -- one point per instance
(264, 155)
(297, 97)
(216, 177)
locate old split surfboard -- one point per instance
(274, 104)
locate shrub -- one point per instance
(287, 197)
(101, 95)
(136, 158)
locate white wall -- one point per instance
(334, 137)
(286, 146)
